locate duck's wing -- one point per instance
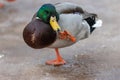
(71, 8)
(67, 8)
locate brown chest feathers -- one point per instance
(38, 35)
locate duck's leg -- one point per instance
(66, 35)
(58, 61)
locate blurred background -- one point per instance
(95, 58)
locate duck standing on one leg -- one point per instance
(44, 30)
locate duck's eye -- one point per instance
(47, 12)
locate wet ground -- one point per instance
(96, 58)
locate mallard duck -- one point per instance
(60, 25)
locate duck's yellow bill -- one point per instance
(54, 24)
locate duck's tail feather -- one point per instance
(92, 20)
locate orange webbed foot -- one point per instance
(66, 35)
(56, 62)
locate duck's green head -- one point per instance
(49, 15)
